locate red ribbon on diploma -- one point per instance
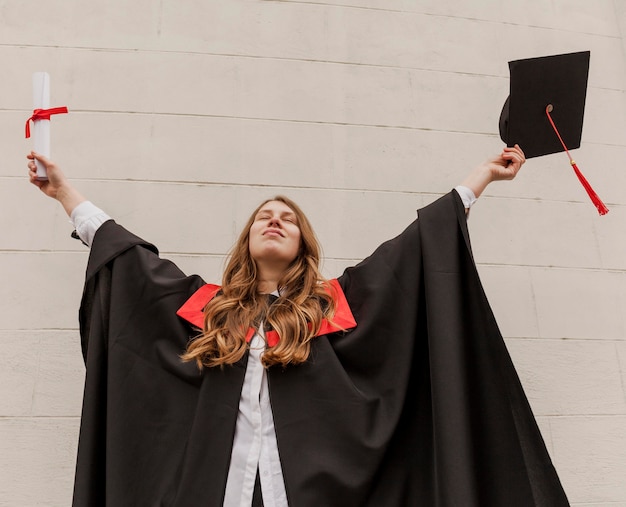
(43, 114)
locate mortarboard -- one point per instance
(545, 108)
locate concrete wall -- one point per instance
(185, 114)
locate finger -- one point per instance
(513, 164)
(513, 150)
(40, 158)
(518, 150)
(521, 152)
(37, 156)
(35, 181)
(512, 158)
(47, 163)
(514, 155)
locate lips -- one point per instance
(273, 232)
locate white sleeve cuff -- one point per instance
(467, 196)
(87, 219)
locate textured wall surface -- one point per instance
(184, 115)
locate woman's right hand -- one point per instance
(56, 179)
(56, 186)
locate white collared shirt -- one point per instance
(255, 446)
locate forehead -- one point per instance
(276, 207)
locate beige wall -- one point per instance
(185, 114)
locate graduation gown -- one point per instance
(418, 405)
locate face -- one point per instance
(275, 235)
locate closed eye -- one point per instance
(290, 217)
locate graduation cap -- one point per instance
(545, 108)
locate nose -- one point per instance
(275, 221)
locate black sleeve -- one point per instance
(139, 397)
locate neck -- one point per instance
(268, 277)
(268, 286)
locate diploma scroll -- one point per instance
(41, 128)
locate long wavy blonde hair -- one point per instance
(305, 300)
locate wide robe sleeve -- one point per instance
(140, 398)
(420, 404)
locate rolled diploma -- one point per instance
(41, 128)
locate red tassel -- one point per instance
(601, 207)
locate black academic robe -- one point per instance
(418, 405)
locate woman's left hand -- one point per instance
(507, 165)
(503, 167)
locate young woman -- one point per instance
(389, 386)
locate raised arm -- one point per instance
(85, 217)
(503, 167)
(57, 186)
